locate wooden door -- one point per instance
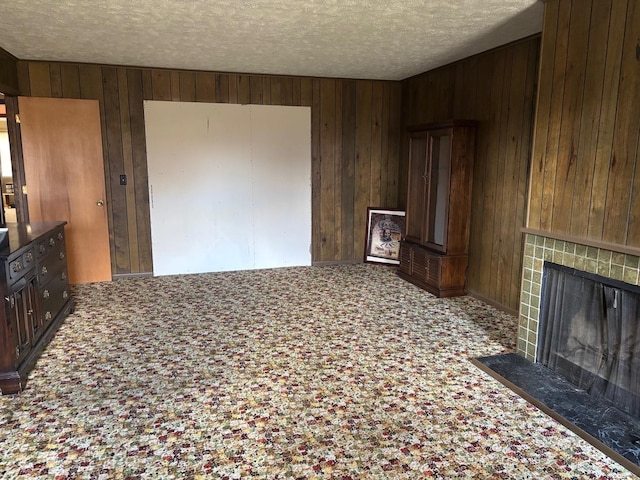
(64, 172)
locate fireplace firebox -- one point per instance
(589, 332)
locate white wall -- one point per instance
(230, 186)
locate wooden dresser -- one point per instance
(35, 295)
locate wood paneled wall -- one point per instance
(496, 88)
(585, 182)
(355, 139)
(8, 73)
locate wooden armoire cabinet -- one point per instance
(434, 252)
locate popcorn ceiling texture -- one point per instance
(391, 39)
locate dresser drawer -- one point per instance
(53, 244)
(49, 266)
(20, 264)
(54, 295)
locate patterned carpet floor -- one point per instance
(342, 372)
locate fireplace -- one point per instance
(551, 361)
(617, 266)
(589, 333)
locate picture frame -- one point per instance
(385, 229)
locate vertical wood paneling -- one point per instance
(138, 187)
(316, 172)
(55, 80)
(541, 128)
(175, 85)
(363, 162)
(187, 87)
(161, 85)
(570, 124)
(348, 191)
(337, 172)
(354, 141)
(590, 116)
(116, 197)
(127, 163)
(590, 85)
(626, 135)
(70, 78)
(222, 88)
(205, 87)
(244, 89)
(375, 197)
(9, 73)
(555, 114)
(327, 168)
(489, 237)
(39, 79)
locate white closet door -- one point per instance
(230, 186)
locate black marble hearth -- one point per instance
(598, 421)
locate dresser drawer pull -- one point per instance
(28, 257)
(63, 276)
(42, 248)
(65, 295)
(16, 267)
(60, 236)
(47, 316)
(52, 242)
(44, 270)
(61, 256)
(46, 294)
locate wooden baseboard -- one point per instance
(493, 303)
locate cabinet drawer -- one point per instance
(51, 245)
(20, 264)
(426, 267)
(53, 296)
(49, 266)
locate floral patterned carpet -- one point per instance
(342, 372)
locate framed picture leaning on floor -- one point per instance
(385, 229)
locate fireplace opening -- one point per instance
(589, 332)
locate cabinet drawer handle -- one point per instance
(46, 294)
(42, 248)
(60, 236)
(63, 276)
(52, 242)
(47, 316)
(61, 256)
(16, 267)
(65, 295)
(44, 270)
(28, 257)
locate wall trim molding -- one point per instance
(614, 247)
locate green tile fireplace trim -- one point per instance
(538, 249)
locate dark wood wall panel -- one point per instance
(496, 88)
(355, 144)
(584, 180)
(8, 73)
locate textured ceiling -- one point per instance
(375, 39)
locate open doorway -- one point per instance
(6, 182)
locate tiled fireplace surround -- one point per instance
(537, 250)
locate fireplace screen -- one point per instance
(589, 333)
